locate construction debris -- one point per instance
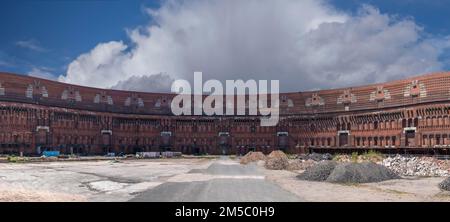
(370, 156)
(300, 164)
(445, 185)
(277, 160)
(315, 156)
(416, 166)
(342, 158)
(252, 157)
(367, 172)
(148, 155)
(318, 172)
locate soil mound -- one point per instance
(252, 157)
(277, 160)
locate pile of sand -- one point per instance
(331, 171)
(252, 157)
(445, 185)
(277, 160)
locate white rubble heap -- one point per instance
(416, 166)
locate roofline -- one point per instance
(373, 85)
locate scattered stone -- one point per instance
(277, 160)
(361, 158)
(315, 156)
(343, 158)
(416, 166)
(252, 157)
(300, 164)
(318, 172)
(445, 185)
(366, 172)
(105, 186)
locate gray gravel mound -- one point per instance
(445, 185)
(318, 172)
(366, 172)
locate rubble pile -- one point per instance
(252, 157)
(300, 164)
(366, 172)
(416, 166)
(445, 185)
(277, 160)
(342, 158)
(315, 156)
(359, 158)
(318, 172)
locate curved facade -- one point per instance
(410, 115)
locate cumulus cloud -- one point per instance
(154, 83)
(304, 44)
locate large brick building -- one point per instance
(406, 115)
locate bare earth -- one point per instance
(145, 180)
(88, 181)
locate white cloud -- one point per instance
(42, 72)
(101, 67)
(154, 83)
(305, 44)
(31, 44)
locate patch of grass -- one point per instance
(336, 157)
(16, 159)
(340, 157)
(354, 157)
(373, 156)
(350, 184)
(291, 156)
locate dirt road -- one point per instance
(224, 180)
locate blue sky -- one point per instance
(56, 32)
(49, 35)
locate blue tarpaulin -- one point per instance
(50, 153)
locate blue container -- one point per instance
(50, 153)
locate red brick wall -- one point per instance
(380, 116)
